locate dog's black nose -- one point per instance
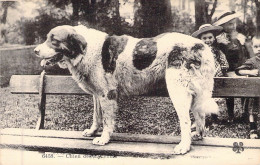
(37, 51)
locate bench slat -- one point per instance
(69, 86)
(224, 86)
(125, 137)
(31, 141)
(239, 86)
(29, 84)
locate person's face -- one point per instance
(229, 26)
(256, 46)
(208, 38)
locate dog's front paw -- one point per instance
(88, 132)
(100, 141)
(196, 136)
(181, 148)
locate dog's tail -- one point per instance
(203, 86)
(205, 104)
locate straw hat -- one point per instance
(207, 28)
(225, 17)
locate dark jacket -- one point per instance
(250, 64)
(235, 52)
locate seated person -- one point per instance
(233, 46)
(252, 68)
(207, 33)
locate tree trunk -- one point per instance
(200, 15)
(257, 3)
(245, 11)
(232, 5)
(152, 17)
(89, 8)
(76, 8)
(201, 12)
(113, 12)
(183, 4)
(5, 6)
(4, 16)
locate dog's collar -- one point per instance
(77, 60)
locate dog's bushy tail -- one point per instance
(203, 100)
(210, 106)
(206, 105)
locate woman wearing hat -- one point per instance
(207, 33)
(233, 47)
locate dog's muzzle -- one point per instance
(52, 60)
(49, 56)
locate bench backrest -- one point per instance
(223, 87)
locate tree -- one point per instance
(97, 14)
(5, 5)
(257, 3)
(152, 17)
(202, 13)
(183, 4)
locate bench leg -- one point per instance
(42, 101)
(40, 123)
(252, 119)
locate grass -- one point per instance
(136, 115)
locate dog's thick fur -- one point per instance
(109, 67)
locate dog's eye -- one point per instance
(55, 42)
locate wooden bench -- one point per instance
(134, 145)
(65, 85)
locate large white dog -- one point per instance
(109, 67)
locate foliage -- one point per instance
(46, 21)
(249, 9)
(33, 31)
(104, 17)
(3, 17)
(5, 5)
(182, 21)
(152, 17)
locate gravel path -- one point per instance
(136, 115)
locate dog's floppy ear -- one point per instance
(77, 44)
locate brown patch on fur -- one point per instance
(176, 57)
(144, 53)
(197, 47)
(179, 55)
(113, 46)
(112, 95)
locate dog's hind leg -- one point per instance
(199, 123)
(97, 119)
(181, 99)
(109, 108)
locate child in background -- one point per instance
(252, 68)
(207, 33)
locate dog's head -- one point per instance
(62, 42)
